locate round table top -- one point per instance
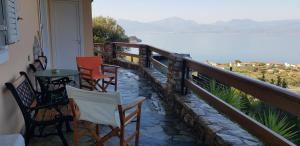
(52, 73)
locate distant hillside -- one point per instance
(179, 25)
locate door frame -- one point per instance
(51, 32)
(45, 30)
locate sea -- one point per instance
(228, 47)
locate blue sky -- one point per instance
(202, 11)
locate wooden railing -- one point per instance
(281, 98)
(276, 96)
(159, 65)
(156, 63)
(160, 51)
(149, 49)
(101, 45)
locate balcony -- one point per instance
(175, 79)
(178, 109)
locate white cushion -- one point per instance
(12, 140)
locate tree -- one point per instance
(278, 81)
(106, 29)
(284, 84)
(272, 81)
(263, 78)
(237, 61)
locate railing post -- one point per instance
(185, 75)
(177, 73)
(114, 51)
(107, 52)
(148, 56)
(144, 56)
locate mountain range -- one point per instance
(179, 25)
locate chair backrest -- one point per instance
(24, 94)
(96, 107)
(90, 62)
(44, 61)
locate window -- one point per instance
(11, 21)
(9, 27)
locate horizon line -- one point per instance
(217, 21)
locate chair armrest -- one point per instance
(127, 117)
(107, 68)
(109, 65)
(133, 104)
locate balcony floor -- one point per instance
(159, 126)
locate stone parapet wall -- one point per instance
(211, 127)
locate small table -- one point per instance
(47, 76)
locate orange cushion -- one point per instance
(50, 114)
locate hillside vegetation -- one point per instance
(284, 75)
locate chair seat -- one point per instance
(51, 114)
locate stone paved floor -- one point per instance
(159, 127)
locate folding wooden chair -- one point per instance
(92, 71)
(106, 109)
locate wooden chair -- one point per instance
(44, 61)
(92, 71)
(34, 67)
(102, 108)
(46, 86)
(36, 113)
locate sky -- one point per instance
(201, 11)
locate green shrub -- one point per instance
(279, 123)
(229, 95)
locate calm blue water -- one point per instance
(223, 48)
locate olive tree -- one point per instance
(106, 29)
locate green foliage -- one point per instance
(251, 105)
(284, 83)
(263, 78)
(227, 94)
(279, 123)
(238, 61)
(261, 64)
(106, 29)
(271, 117)
(272, 81)
(278, 81)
